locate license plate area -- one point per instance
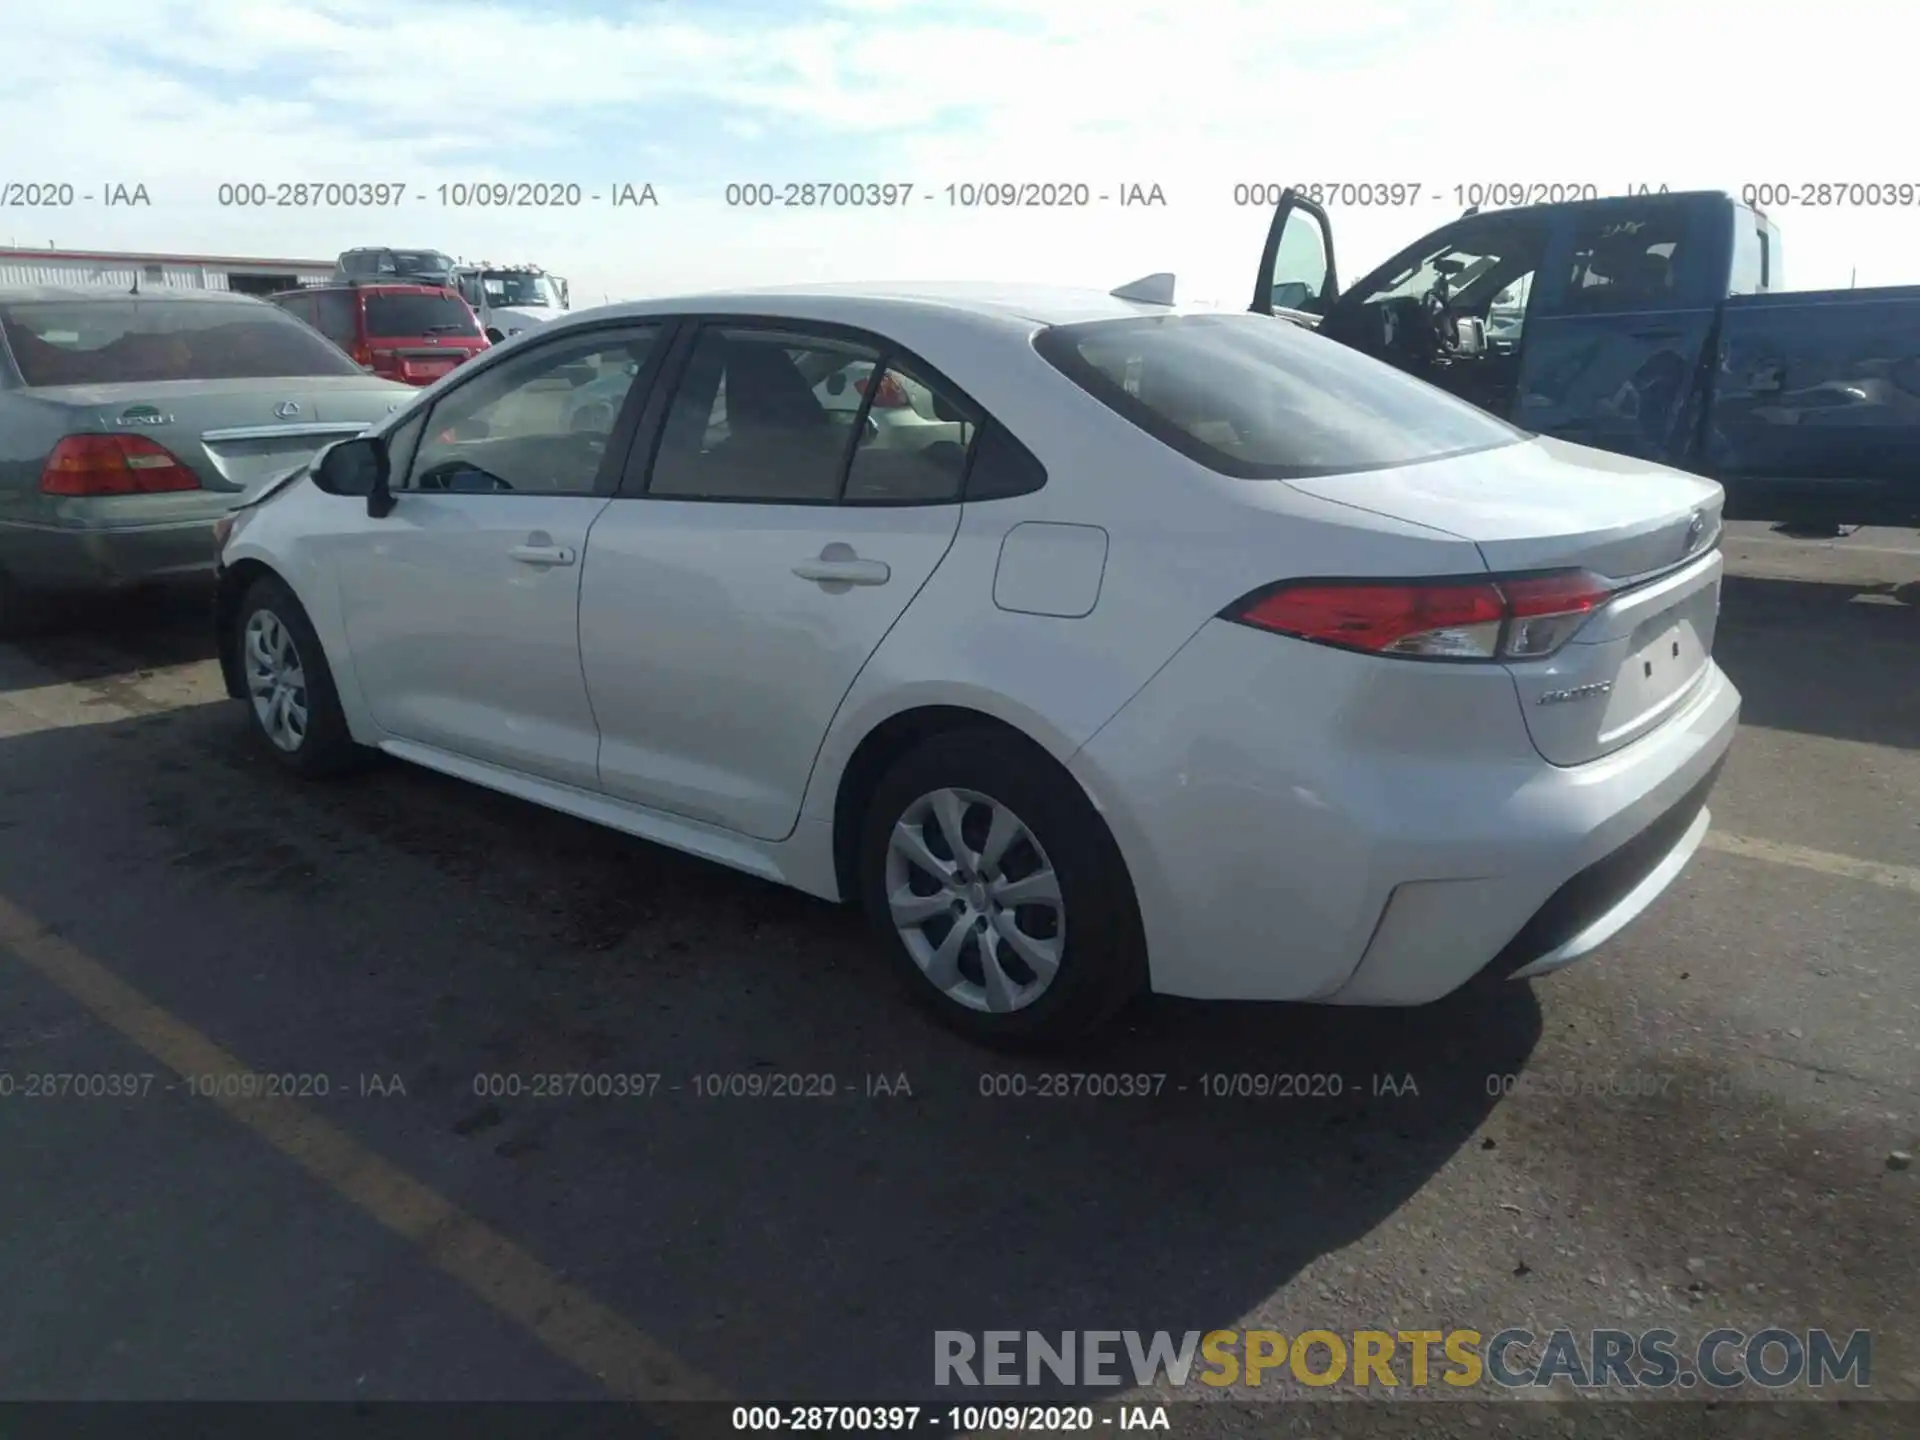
(1665, 657)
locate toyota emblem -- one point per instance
(287, 409)
(1696, 528)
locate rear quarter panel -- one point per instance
(1182, 543)
(28, 432)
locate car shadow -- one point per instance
(1172, 1175)
(1835, 660)
(103, 637)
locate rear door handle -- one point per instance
(541, 554)
(845, 572)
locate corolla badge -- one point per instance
(1696, 532)
(1579, 692)
(287, 409)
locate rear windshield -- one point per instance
(134, 340)
(396, 317)
(1259, 398)
(419, 262)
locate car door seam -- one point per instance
(579, 642)
(820, 746)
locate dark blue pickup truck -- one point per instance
(1651, 325)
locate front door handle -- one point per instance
(838, 567)
(531, 554)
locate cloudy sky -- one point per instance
(1194, 96)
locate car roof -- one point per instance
(867, 305)
(15, 294)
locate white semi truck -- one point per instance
(511, 298)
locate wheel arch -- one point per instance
(893, 737)
(235, 580)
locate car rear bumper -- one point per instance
(81, 559)
(1305, 824)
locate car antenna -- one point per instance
(1155, 289)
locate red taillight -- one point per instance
(889, 394)
(363, 356)
(113, 465)
(1492, 619)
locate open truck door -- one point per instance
(1296, 269)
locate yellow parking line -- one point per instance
(1894, 877)
(564, 1318)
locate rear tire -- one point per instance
(1024, 934)
(293, 709)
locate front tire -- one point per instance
(293, 709)
(999, 892)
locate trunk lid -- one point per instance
(1548, 505)
(235, 435)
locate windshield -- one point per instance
(133, 340)
(393, 316)
(506, 287)
(1258, 398)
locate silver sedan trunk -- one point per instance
(129, 424)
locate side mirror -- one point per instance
(944, 410)
(355, 468)
(837, 383)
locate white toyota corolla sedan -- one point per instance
(1187, 651)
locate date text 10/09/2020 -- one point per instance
(955, 1419)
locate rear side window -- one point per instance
(299, 306)
(1259, 398)
(758, 417)
(404, 314)
(913, 448)
(336, 315)
(136, 340)
(1627, 263)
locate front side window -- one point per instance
(1251, 397)
(750, 419)
(539, 423)
(136, 339)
